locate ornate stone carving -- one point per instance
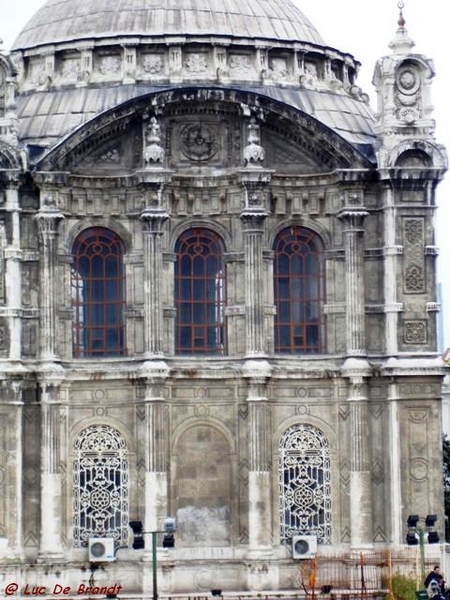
(254, 153)
(408, 81)
(38, 75)
(240, 64)
(153, 151)
(196, 62)
(419, 469)
(414, 279)
(70, 69)
(111, 155)
(310, 77)
(333, 82)
(3, 337)
(278, 68)
(414, 262)
(407, 93)
(152, 63)
(413, 229)
(109, 65)
(199, 142)
(415, 332)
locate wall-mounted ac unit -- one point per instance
(304, 546)
(101, 550)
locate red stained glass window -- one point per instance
(98, 296)
(200, 293)
(299, 292)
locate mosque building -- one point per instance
(217, 294)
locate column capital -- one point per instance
(253, 219)
(353, 217)
(48, 218)
(153, 219)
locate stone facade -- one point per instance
(252, 439)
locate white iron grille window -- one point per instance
(100, 478)
(305, 490)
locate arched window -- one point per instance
(305, 489)
(100, 486)
(199, 293)
(98, 294)
(299, 292)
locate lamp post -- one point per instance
(417, 532)
(168, 542)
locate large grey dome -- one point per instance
(61, 21)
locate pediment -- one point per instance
(119, 154)
(113, 142)
(287, 158)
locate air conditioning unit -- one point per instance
(304, 546)
(101, 550)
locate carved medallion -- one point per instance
(152, 63)
(408, 81)
(199, 142)
(196, 63)
(415, 332)
(110, 65)
(278, 68)
(240, 63)
(70, 69)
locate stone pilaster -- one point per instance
(352, 218)
(48, 219)
(152, 179)
(357, 370)
(253, 219)
(11, 484)
(392, 251)
(155, 447)
(361, 518)
(50, 547)
(12, 274)
(395, 513)
(153, 220)
(257, 374)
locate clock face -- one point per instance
(199, 142)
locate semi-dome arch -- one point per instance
(308, 133)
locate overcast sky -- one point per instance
(363, 28)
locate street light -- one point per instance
(168, 542)
(416, 535)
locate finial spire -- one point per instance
(402, 43)
(401, 19)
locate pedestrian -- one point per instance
(432, 576)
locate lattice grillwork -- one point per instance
(305, 488)
(100, 479)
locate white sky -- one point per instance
(363, 28)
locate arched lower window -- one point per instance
(100, 486)
(299, 292)
(98, 294)
(305, 488)
(199, 293)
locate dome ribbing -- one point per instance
(60, 21)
